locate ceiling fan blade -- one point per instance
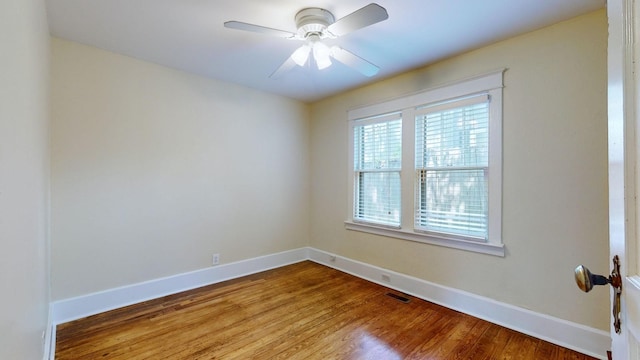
(284, 68)
(363, 17)
(354, 61)
(258, 29)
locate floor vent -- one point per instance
(399, 297)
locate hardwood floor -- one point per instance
(301, 311)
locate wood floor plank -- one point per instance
(520, 347)
(545, 350)
(301, 311)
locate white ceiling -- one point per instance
(189, 35)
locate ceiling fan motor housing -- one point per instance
(314, 21)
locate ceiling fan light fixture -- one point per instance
(322, 55)
(323, 62)
(301, 55)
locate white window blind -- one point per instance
(377, 166)
(452, 159)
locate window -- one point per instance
(452, 166)
(428, 167)
(377, 165)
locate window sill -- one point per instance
(479, 247)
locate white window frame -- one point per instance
(490, 84)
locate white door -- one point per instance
(624, 164)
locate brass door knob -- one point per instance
(586, 281)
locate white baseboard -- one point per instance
(571, 335)
(584, 339)
(75, 308)
(50, 337)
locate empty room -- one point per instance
(245, 179)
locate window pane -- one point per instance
(378, 197)
(453, 138)
(453, 202)
(378, 146)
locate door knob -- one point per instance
(586, 281)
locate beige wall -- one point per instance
(24, 178)
(154, 170)
(554, 174)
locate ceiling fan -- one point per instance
(316, 24)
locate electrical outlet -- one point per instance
(386, 278)
(216, 259)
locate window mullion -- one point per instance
(408, 168)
